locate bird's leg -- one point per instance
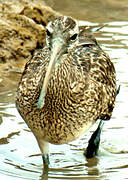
(93, 144)
(44, 147)
(118, 90)
(45, 158)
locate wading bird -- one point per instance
(66, 87)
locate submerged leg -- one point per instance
(93, 144)
(44, 147)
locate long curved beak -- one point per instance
(57, 49)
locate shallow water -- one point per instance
(19, 153)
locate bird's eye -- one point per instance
(48, 33)
(73, 37)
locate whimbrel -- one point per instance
(66, 87)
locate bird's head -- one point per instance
(61, 34)
(63, 30)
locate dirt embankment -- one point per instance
(22, 30)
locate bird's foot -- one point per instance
(93, 144)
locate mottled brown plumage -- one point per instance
(81, 87)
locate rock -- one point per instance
(40, 15)
(22, 29)
(19, 37)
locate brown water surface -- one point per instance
(19, 153)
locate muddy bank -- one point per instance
(22, 30)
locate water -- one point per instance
(19, 153)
